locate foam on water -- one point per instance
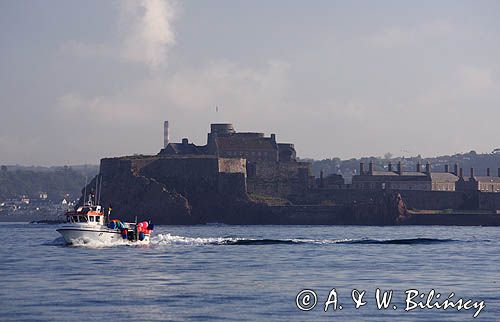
(169, 239)
(94, 243)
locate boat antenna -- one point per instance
(100, 186)
(85, 190)
(96, 186)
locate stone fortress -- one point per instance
(250, 178)
(271, 168)
(234, 173)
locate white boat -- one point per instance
(89, 224)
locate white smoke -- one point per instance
(147, 30)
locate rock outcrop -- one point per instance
(131, 194)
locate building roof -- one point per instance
(482, 179)
(382, 173)
(443, 177)
(487, 179)
(236, 143)
(394, 173)
(180, 148)
(409, 176)
(378, 176)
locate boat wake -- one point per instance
(168, 239)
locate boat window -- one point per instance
(83, 219)
(68, 219)
(75, 218)
(91, 218)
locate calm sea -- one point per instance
(248, 273)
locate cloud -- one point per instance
(407, 36)
(229, 84)
(147, 31)
(191, 90)
(144, 35)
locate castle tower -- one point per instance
(166, 138)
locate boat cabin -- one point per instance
(86, 214)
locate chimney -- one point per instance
(273, 137)
(389, 167)
(455, 169)
(418, 166)
(370, 167)
(400, 169)
(461, 174)
(185, 141)
(472, 172)
(446, 168)
(361, 168)
(166, 137)
(428, 168)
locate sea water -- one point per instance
(252, 273)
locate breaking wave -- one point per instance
(168, 239)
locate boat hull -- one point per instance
(74, 234)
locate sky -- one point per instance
(84, 80)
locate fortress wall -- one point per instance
(439, 200)
(200, 176)
(113, 166)
(232, 185)
(110, 167)
(489, 200)
(277, 179)
(233, 165)
(310, 215)
(413, 198)
(335, 196)
(185, 175)
(138, 164)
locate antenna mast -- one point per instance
(95, 193)
(85, 190)
(100, 185)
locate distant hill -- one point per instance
(16, 181)
(468, 160)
